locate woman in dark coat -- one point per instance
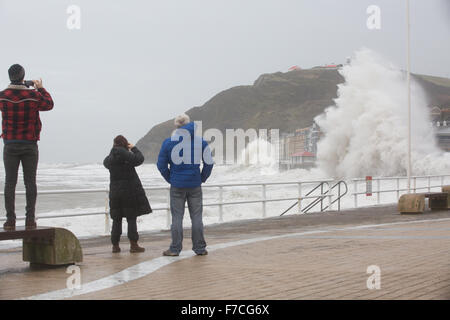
(126, 195)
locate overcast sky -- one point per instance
(134, 64)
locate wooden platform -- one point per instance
(314, 256)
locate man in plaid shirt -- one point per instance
(21, 127)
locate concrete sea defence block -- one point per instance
(411, 203)
(447, 189)
(62, 249)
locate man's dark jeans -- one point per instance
(194, 198)
(13, 155)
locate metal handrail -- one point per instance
(318, 198)
(395, 190)
(340, 196)
(401, 177)
(338, 199)
(311, 191)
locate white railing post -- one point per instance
(414, 188)
(168, 215)
(299, 205)
(378, 191)
(264, 200)
(221, 204)
(398, 188)
(429, 184)
(107, 218)
(330, 200)
(355, 192)
(329, 203)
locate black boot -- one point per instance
(30, 223)
(116, 248)
(9, 225)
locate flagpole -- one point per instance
(408, 76)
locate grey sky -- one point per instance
(136, 63)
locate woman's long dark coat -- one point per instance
(126, 195)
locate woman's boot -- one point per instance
(134, 247)
(115, 248)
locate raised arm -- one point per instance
(135, 157)
(45, 99)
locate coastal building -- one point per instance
(298, 149)
(303, 159)
(329, 66)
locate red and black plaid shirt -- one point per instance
(20, 108)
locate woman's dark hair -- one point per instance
(120, 141)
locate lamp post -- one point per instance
(408, 77)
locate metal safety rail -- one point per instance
(319, 198)
(339, 197)
(263, 199)
(220, 203)
(444, 180)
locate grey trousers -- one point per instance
(194, 198)
(13, 155)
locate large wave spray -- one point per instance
(261, 155)
(366, 131)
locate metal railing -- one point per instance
(220, 204)
(320, 197)
(317, 198)
(339, 195)
(263, 200)
(397, 189)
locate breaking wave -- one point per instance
(366, 130)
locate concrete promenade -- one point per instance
(313, 256)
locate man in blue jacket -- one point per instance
(179, 163)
